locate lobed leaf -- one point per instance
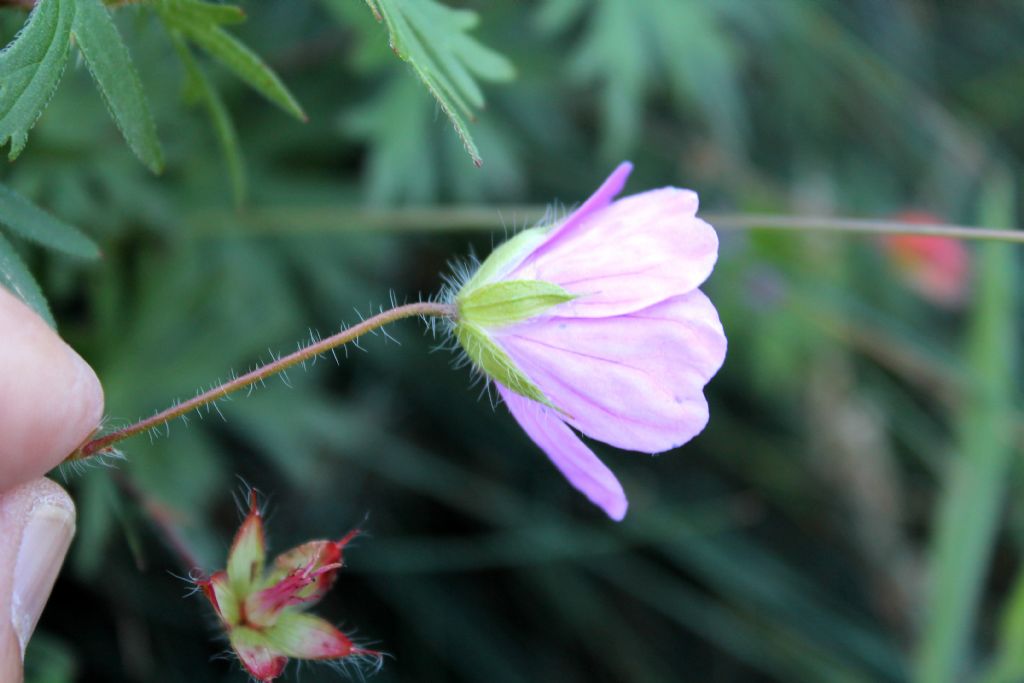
(15, 276)
(31, 68)
(433, 39)
(201, 23)
(118, 82)
(41, 227)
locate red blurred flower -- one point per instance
(937, 268)
(262, 610)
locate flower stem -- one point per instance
(330, 219)
(103, 444)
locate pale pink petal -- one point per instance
(634, 381)
(634, 253)
(601, 198)
(578, 463)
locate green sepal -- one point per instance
(304, 636)
(504, 258)
(248, 553)
(510, 301)
(495, 363)
(256, 653)
(227, 603)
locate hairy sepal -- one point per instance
(494, 363)
(248, 551)
(504, 303)
(503, 259)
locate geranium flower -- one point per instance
(596, 323)
(261, 610)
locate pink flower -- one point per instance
(937, 268)
(597, 324)
(262, 610)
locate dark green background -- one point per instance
(791, 541)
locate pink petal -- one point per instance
(601, 198)
(578, 463)
(634, 381)
(634, 253)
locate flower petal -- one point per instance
(634, 381)
(634, 253)
(304, 636)
(260, 659)
(510, 254)
(578, 463)
(601, 198)
(245, 560)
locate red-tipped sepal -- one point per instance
(218, 592)
(262, 660)
(304, 636)
(245, 561)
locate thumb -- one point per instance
(37, 521)
(50, 400)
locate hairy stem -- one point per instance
(103, 444)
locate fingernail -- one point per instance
(44, 543)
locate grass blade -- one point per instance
(968, 512)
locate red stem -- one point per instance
(103, 443)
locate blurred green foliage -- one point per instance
(850, 512)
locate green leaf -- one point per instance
(511, 301)
(224, 128)
(494, 363)
(632, 48)
(433, 39)
(111, 67)
(14, 275)
(30, 69)
(969, 510)
(201, 23)
(32, 223)
(1008, 663)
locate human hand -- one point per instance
(50, 401)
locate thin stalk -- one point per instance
(344, 219)
(103, 444)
